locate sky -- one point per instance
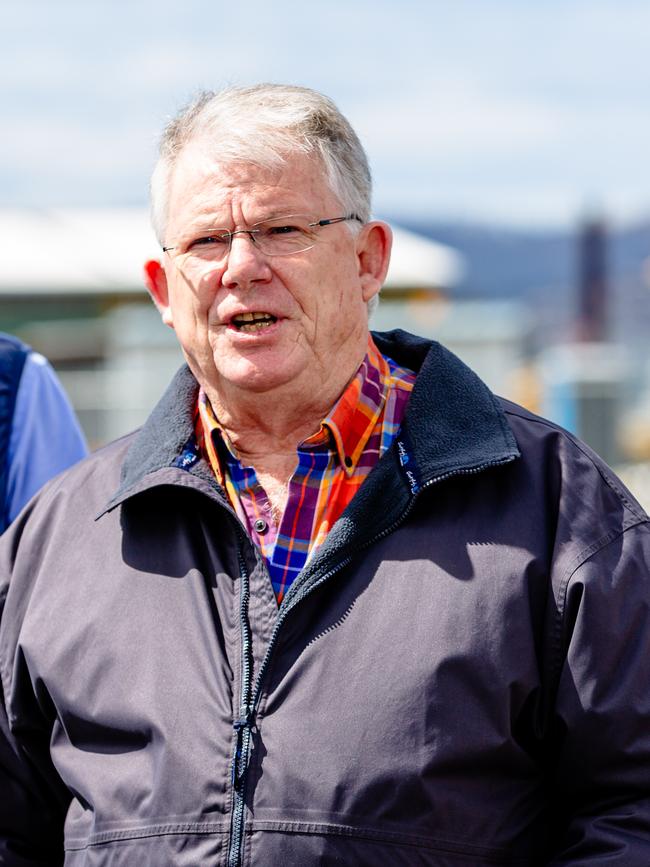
(525, 113)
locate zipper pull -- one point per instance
(246, 718)
(244, 723)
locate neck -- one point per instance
(267, 428)
(267, 431)
(273, 424)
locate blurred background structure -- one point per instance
(508, 142)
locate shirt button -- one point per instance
(260, 525)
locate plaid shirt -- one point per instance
(332, 464)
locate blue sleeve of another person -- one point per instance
(45, 434)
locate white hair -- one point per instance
(263, 124)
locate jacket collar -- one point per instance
(163, 438)
(453, 422)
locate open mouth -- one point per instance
(253, 321)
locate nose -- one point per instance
(245, 264)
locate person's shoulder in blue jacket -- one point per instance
(45, 437)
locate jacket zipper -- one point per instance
(251, 697)
(242, 725)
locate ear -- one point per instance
(373, 251)
(156, 282)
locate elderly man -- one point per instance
(334, 603)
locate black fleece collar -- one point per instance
(453, 421)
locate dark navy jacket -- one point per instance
(459, 677)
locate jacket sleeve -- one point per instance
(33, 799)
(602, 711)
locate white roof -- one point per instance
(419, 262)
(102, 250)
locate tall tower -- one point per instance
(592, 281)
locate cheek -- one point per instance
(192, 302)
(336, 320)
(334, 294)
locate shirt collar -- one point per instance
(354, 416)
(348, 425)
(205, 426)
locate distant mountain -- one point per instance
(503, 262)
(541, 269)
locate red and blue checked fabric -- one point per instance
(332, 464)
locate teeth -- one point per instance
(256, 326)
(253, 321)
(250, 317)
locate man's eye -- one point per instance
(283, 230)
(208, 240)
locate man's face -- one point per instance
(316, 298)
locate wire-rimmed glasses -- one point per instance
(277, 236)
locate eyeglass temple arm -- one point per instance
(338, 220)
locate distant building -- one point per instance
(593, 313)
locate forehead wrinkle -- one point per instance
(211, 219)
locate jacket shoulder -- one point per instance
(543, 441)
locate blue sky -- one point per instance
(525, 112)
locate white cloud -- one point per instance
(454, 120)
(492, 107)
